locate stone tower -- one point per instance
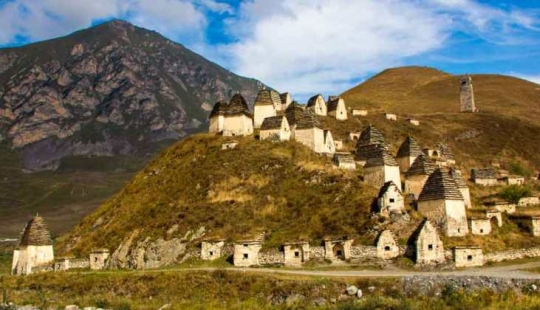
(467, 95)
(35, 248)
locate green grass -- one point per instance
(63, 196)
(232, 290)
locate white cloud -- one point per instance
(310, 46)
(535, 78)
(44, 19)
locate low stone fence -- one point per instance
(363, 252)
(512, 254)
(79, 263)
(271, 257)
(316, 252)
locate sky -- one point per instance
(311, 46)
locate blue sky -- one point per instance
(311, 46)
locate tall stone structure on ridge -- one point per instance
(35, 248)
(467, 95)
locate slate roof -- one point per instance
(446, 152)
(296, 115)
(385, 188)
(440, 185)
(268, 97)
(237, 105)
(344, 158)
(273, 122)
(332, 103)
(409, 148)
(422, 165)
(484, 173)
(36, 233)
(313, 100)
(283, 97)
(379, 156)
(370, 135)
(458, 178)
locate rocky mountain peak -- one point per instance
(108, 90)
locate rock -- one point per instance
(351, 290)
(359, 293)
(89, 308)
(534, 287)
(72, 307)
(294, 299)
(333, 300)
(371, 289)
(319, 302)
(165, 306)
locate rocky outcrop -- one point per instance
(105, 91)
(152, 253)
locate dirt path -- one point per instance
(511, 271)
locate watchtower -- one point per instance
(467, 95)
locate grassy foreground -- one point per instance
(226, 290)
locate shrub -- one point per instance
(514, 193)
(519, 169)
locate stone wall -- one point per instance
(363, 252)
(528, 201)
(415, 184)
(316, 252)
(260, 112)
(79, 263)
(238, 125)
(211, 250)
(512, 254)
(271, 257)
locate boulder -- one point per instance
(352, 290)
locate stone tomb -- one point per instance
(530, 223)
(246, 253)
(211, 249)
(480, 225)
(296, 253)
(468, 256)
(390, 200)
(337, 249)
(428, 245)
(495, 214)
(387, 247)
(99, 258)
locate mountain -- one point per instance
(84, 112)
(114, 89)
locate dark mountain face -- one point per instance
(114, 89)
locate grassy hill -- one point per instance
(506, 129)
(283, 189)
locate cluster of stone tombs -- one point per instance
(427, 250)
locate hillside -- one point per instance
(506, 129)
(90, 109)
(283, 190)
(421, 90)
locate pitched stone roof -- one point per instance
(237, 105)
(422, 165)
(344, 158)
(458, 178)
(440, 186)
(273, 122)
(409, 148)
(446, 152)
(268, 97)
(485, 173)
(303, 119)
(36, 233)
(283, 97)
(370, 135)
(313, 100)
(386, 187)
(332, 103)
(378, 155)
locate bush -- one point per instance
(514, 193)
(519, 169)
